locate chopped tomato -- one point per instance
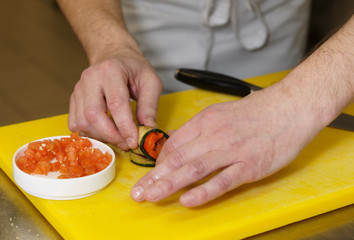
(42, 168)
(54, 166)
(72, 156)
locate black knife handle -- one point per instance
(213, 81)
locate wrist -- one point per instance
(325, 80)
(117, 41)
(99, 26)
(315, 97)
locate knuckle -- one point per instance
(114, 104)
(90, 114)
(250, 174)
(86, 74)
(118, 102)
(158, 84)
(167, 185)
(107, 64)
(148, 109)
(170, 144)
(104, 68)
(209, 113)
(72, 96)
(113, 138)
(255, 174)
(72, 126)
(122, 124)
(223, 182)
(202, 194)
(83, 126)
(76, 92)
(176, 161)
(197, 168)
(210, 109)
(151, 180)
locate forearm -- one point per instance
(323, 83)
(99, 25)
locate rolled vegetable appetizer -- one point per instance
(151, 141)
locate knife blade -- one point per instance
(218, 82)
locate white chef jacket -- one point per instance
(241, 38)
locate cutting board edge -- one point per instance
(295, 212)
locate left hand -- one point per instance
(245, 140)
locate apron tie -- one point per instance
(246, 18)
(249, 25)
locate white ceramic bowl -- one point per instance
(49, 187)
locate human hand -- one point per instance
(242, 141)
(108, 85)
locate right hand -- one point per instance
(108, 85)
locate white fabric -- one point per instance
(241, 38)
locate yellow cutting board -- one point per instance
(320, 179)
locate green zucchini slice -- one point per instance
(141, 160)
(155, 146)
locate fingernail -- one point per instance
(131, 143)
(188, 200)
(153, 193)
(138, 193)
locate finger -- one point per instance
(192, 172)
(71, 118)
(96, 113)
(173, 162)
(82, 124)
(171, 132)
(183, 136)
(228, 179)
(72, 121)
(148, 99)
(118, 103)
